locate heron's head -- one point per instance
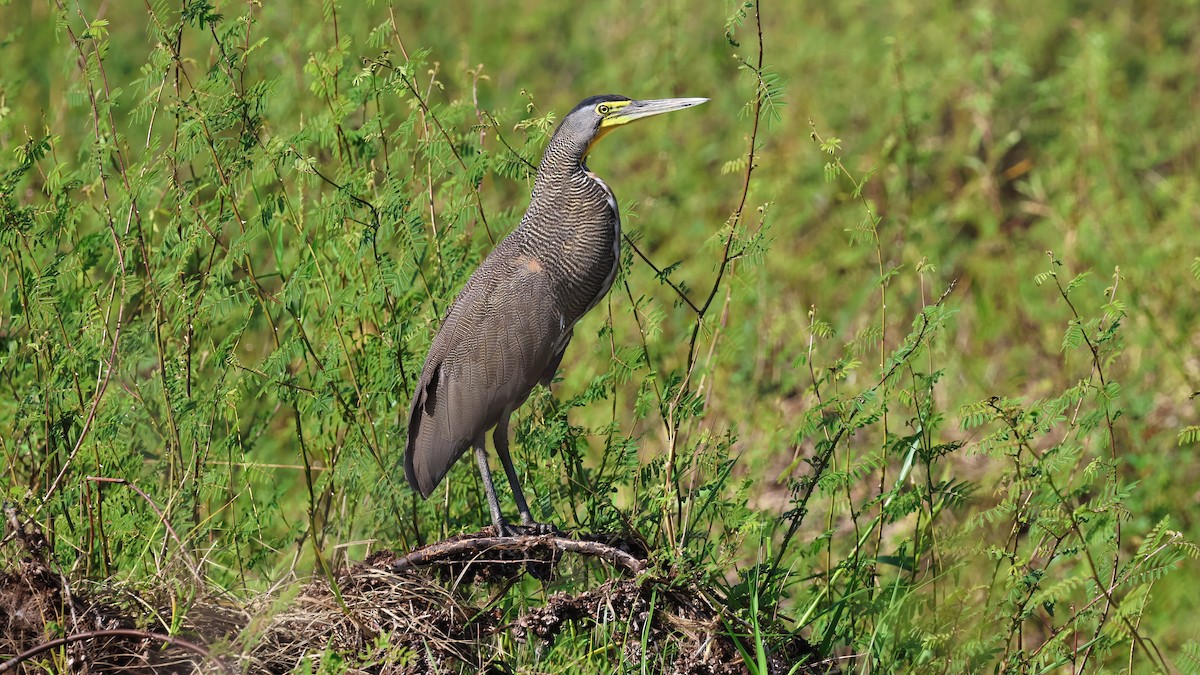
(595, 117)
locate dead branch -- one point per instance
(487, 549)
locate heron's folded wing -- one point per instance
(495, 345)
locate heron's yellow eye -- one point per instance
(603, 109)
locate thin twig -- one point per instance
(661, 276)
(822, 461)
(734, 221)
(161, 517)
(436, 122)
(1112, 443)
(87, 424)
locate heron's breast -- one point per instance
(612, 229)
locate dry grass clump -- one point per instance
(391, 623)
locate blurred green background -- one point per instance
(992, 133)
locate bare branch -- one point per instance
(489, 549)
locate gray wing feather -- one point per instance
(496, 343)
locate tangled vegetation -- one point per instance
(899, 373)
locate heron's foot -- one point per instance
(534, 527)
(528, 527)
(531, 526)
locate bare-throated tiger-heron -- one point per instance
(509, 326)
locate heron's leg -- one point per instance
(500, 438)
(502, 528)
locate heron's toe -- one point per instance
(535, 528)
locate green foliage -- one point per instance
(836, 382)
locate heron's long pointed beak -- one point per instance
(637, 110)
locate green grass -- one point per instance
(939, 409)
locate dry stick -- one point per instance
(448, 552)
(31, 536)
(161, 517)
(11, 664)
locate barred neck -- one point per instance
(572, 227)
(564, 157)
